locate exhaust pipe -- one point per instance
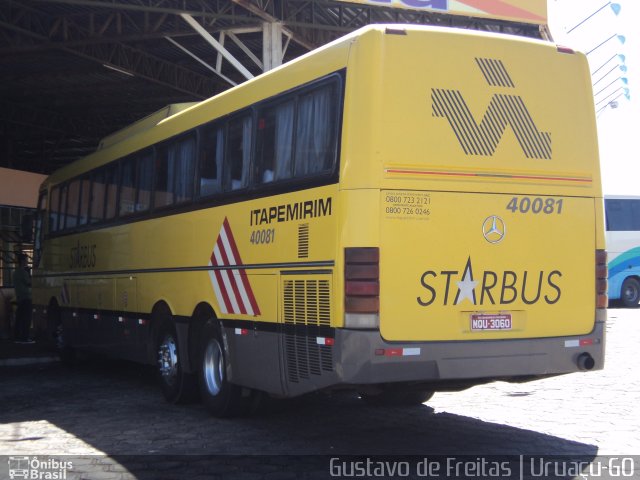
(585, 362)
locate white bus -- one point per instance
(623, 246)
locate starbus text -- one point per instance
(451, 287)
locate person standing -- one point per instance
(22, 286)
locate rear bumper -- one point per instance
(365, 358)
(352, 358)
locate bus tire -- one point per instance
(397, 397)
(222, 398)
(177, 385)
(630, 293)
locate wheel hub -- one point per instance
(213, 367)
(168, 359)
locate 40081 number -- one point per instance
(535, 205)
(267, 235)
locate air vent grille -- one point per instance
(307, 302)
(303, 240)
(306, 309)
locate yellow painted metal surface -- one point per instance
(442, 130)
(442, 263)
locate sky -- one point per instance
(618, 128)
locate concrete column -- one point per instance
(271, 45)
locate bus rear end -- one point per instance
(483, 254)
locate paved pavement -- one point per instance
(115, 410)
(14, 354)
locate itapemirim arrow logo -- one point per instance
(504, 110)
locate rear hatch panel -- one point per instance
(467, 266)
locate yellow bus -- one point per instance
(405, 210)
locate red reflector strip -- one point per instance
(582, 342)
(325, 341)
(242, 331)
(397, 352)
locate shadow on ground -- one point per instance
(116, 409)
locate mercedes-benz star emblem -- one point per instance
(494, 229)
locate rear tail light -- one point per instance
(602, 274)
(362, 287)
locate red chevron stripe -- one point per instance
(231, 276)
(243, 273)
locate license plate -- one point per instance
(481, 322)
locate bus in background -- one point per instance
(623, 248)
(405, 210)
(18, 197)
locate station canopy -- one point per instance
(73, 72)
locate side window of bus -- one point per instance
(210, 160)
(623, 215)
(238, 153)
(182, 154)
(54, 209)
(85, 200)
(274, 155)
(175, 168)
(97, 196)
(126, 205)
(38, 228)
(316, 126)
(63, 206)
(111, 184)
(145, 181)
(73, 204)
(162, 190)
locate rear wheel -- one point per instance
(630, 292)
(222, 398)
(399, 396)
(177, 385)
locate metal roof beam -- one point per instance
(245, 49)
(217, 45)
(134, 61)
(260, 12)
(193, 8)
(99, 26)
(140, 63)
(199, 60)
